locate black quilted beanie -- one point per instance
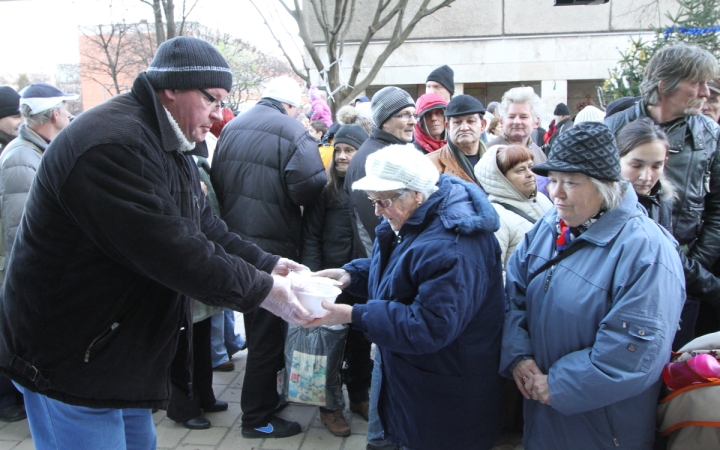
(189, 63)
(588, 148)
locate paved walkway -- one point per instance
(225, 431)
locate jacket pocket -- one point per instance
(101, 340)
(637, 341)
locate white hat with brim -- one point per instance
(398, 167)
(43, 96)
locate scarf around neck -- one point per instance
(567, 234)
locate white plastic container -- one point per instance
(314, 294)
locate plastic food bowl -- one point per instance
(313, 295)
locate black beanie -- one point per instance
(589, 148)
(353, 135)
(561, 110)
(189, 63)
(9, 102)
(445, 76)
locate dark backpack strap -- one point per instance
(516, 211)
(559, 257)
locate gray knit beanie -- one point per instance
(189, 63)
(387, 101)
(588, 148)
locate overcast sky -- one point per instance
(36, 35)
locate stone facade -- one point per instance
(564, 53)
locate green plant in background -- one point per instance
(696, 22)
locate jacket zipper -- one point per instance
(100, 337)
(549, 277)
(612, 432)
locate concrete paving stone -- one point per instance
(7, 445)
(159, 416)
(231, 394)
(196, 447)
(227, 418)
(302, 414)
(15, 431)
(169, 433)
(226, 377)
(317, 439)
(291, 443)
(234, 441)
(26, 444)
(358, 425)
(211, 436)
(355, 442)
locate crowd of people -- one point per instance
(508, 277)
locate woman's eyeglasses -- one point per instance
(385, 203)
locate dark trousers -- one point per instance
(265, 336)
(182, 408)
(688, 319)
(359, 366)
(9, 395)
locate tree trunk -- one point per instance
(170, 17)
(159, 27)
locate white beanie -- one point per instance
(398, 167)
(284, 90)
(589, 114)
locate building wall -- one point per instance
(563, 52)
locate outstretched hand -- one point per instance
(337, 314)
(285, 265)
(339, 275)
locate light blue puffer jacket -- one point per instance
(600, 324)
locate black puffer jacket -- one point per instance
(116, 235)
(328, 230)
(362, 211)
(265, 167)
(694, 168)
(699, 282)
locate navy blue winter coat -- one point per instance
(435, 310)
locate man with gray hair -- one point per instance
(394, 119)
(44, 108)
(115, 242)
(519, 114)
(674, 89)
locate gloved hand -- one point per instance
(284, 266)
(282, 302)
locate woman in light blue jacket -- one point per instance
(595, 292)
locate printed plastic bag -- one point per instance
(313, 359)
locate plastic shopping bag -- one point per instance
(313, 359)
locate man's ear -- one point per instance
(447, 124)
(483, 123)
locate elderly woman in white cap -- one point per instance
(435, 303)
(595, 292)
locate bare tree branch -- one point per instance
(306, 75)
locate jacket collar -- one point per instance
(27, 133)
(381, 135)
(145, 94)
(272, 103)
(611, 222)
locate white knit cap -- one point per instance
(284, 90)
(398, 167)
(589, 114)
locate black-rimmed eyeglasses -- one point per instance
(213, 100)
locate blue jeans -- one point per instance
(223, 340)
(55, 425)
(376, 434)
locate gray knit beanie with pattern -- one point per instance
(189, 63)
(387, 101)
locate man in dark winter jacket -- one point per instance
(674, 89)
(115, 240)
(394, 120)
(561, 122)
(265, 168)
